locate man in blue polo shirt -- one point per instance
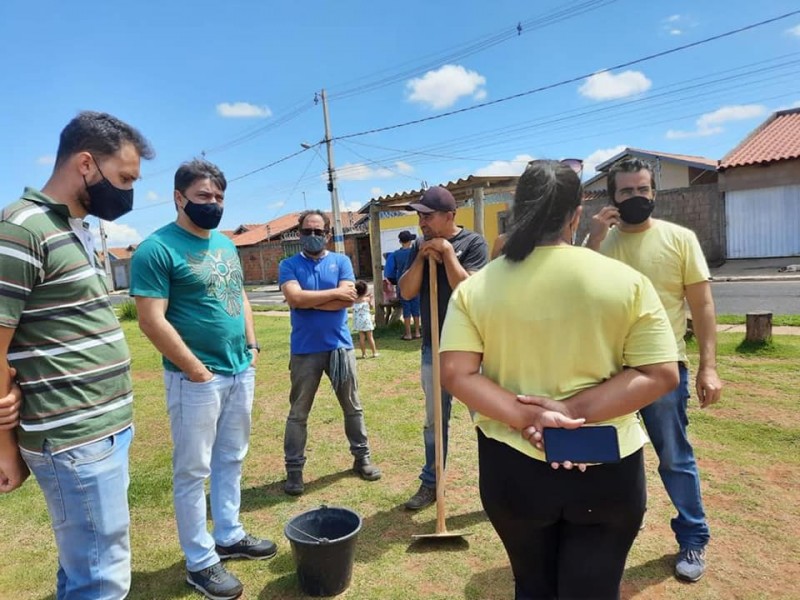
(319, 286)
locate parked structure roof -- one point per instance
(777, 138)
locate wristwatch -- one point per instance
(255, 347)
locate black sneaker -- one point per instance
(366, 470)
(425, 496)
(248, 547)
(215, 582)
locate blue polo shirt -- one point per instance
(318, 330)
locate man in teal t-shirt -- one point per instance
(187, 280)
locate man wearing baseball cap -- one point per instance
(396, 264)
(458, 253)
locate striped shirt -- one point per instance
(72, 361)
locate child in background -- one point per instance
(362, 319)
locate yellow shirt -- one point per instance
(563, 320)
(671, 257)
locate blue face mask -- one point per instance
(313, 244)
(205, 216)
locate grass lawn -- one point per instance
(777, 320)
(747, 448)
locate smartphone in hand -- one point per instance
(587, 444)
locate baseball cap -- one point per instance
(433, 199)
(406, 236)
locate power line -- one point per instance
(473, 47)
(267, 166)
(572, 79)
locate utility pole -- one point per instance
(338, 232)
(106, 259)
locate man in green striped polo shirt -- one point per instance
(59, 331)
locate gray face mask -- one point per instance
(312, 244)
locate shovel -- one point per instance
(441, 527)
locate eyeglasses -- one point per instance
(576, 164)
(316, 232)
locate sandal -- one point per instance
(408, 339)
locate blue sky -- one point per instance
(237, 80)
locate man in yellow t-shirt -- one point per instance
(671, 257)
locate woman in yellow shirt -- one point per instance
(539, 338)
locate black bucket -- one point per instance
(324, 545)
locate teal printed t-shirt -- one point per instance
(202, 281)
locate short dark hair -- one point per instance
(101, 135)
(198, 168)
(548, 193)
(629, 165)
(361, 287)
(314, 211)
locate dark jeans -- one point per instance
(666, 422)
(567, 533)
(306, 372)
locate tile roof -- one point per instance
(701, 162)
(777, 138)
(122, 253)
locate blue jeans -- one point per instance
(666, 422)
(86, 489)
(210, 425)
(306, 372)
(428, 475)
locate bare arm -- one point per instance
(13, 470)
(462, 377)
(497, 247)
(154, 324)
(411, 281)
(250, 328)
(601, 223)
(704, 322)
(297, 297)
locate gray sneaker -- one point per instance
(215, 582)
(691, 564)
(425, 496)
(248, 547)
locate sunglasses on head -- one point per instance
(316, 232)
(576, 164)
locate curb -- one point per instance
(732, 278)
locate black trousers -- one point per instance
(567, 533)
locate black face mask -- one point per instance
(205, 216)
(106, 201)
(635, 210)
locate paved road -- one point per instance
(734, 297)
(740, 297)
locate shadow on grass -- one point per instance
(169, 582)
(640, 577)
(458, 524)
(270, 494)
(500, 580)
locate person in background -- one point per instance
(396, 265)
(319, 286)
(362, 319)
(574, 338)
(671, 257)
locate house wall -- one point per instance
(260, 261)
(785, 172)
(672, 176)
(699, 208)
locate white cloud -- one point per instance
(277, 205)
(376, 192)
(47, 159)
(242, 110)
(711, 123)
(675, 31)
(363, 171)
(599, 156)
(673, 18)
(794, 30)
(444, 87)
(151, 196)
(351, 206)
(499, 168)
(117, 235)
(607, 86)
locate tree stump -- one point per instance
(759, 327)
